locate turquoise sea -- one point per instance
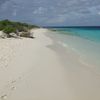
(83, 41)
(92, 34)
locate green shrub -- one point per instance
(1, 27)
(9, 29)
(9, 26)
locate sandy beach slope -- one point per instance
(30, 70)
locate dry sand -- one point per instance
(30, 70)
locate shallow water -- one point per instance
(92, 34)
(83, 41)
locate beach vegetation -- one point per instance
(8, 27)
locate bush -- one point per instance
(1, 27)
(9, 29)
(19, 26)
(15, 27)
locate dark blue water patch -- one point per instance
(81, 27)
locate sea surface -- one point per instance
(84, 41)
(92, 34)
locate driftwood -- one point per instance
(16, 35)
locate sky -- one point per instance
(52, 12)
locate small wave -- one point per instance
(84, 62)
(63, 44)
(67, 46)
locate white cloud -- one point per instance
(98, 13)
(52, 11)
(39, 10)
(14, 12)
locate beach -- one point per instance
(41, 69)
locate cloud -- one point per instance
(3, 1)
(39, 10)
(52, 12)
(57, 20)
(14, 12)
(99, 13)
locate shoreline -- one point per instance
(78, 68)
(41, 69)
(81, 48)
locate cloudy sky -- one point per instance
(52, 12)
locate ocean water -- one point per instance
(92, 34)
(83, 41)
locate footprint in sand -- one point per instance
(13, 88)
(3, 97)
(14, 81)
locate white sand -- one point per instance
(29, 70)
